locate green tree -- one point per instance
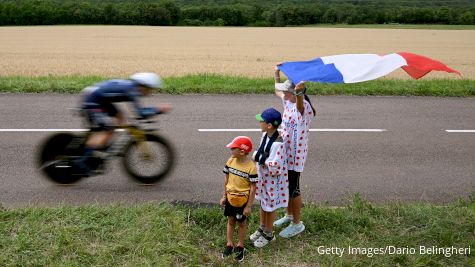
(233, 13)
(3, 15)
(424, 15)
(173, 10)
(444, 15)
(110, 14)
(231, 16)
(354, 17)
(466, 18)
(154, 14)
(83, 13)
(330, 16)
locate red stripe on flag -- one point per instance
(418, 66)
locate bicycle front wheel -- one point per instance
(149, 161)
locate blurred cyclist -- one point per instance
(103, 116)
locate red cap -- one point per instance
(242, 142)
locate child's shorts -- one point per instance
(237, 213)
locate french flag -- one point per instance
(355, 68)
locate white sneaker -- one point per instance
(263, 240)
(284, 220)
(256, 235)
(292, 230)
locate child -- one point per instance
(239, 190)
(272, 190)
(297, 116)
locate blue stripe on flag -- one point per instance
(314, 71)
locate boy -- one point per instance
(272, 190)
(239, 190)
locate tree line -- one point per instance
(233, 13)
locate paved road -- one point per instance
(415, 159)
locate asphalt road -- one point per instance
(414, 160)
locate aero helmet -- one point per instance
(147, 79)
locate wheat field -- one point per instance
(116, 51)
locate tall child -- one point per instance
(298, 114)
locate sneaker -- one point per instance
(263, 240)
(239, 251)
(284, 220)
(256, 234)
(228, 251)
(292, 230)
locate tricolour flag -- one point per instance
(354, 68)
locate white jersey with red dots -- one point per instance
(295, 130)
(273, 187)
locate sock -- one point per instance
(291, 217)
(268, 234)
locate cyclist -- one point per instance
(98, 105)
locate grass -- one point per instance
(167, 235)
(219, 84)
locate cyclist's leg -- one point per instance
(99, 139)
(102, 126)
(101, 133)
(118, 118)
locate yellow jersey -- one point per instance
(240, 175)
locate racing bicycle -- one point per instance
(146, 156)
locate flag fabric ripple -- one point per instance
(354, 68)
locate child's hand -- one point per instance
(222, 202)
(247, 211)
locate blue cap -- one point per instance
(270, 115)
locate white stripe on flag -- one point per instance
(364, 67)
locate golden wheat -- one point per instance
(116, 51)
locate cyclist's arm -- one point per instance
(142, 112)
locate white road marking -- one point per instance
(229, 130)
(348, 130)
(311, 130)
(460, 131)
(224, 130)
(43, 130)
(48, 130)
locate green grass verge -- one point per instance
(167, 235)
(219, 84)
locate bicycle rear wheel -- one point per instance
(54, 158)
(149, 161)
